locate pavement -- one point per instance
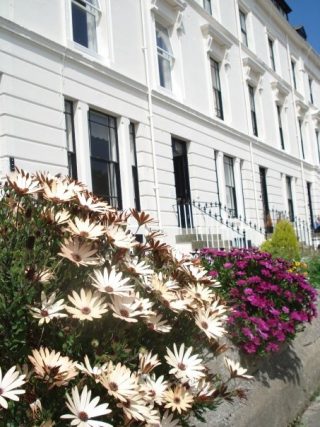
(311, 417)
(283, 388)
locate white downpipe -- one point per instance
(150, 114)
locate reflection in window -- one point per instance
(105, 158)
(134, 166)
(230, 186)
(85, 14)
(207, 6)
(253, 111)
(243, 27)
(271, 53)
(165, 56)
(215, 75)
(290, 198)
(70, 136)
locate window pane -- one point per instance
(92, 32)
(104, 158)
(164, 72)
(163, 41)
(207, 6)
(70, 139)
(113, 155)
(79, 25)
(132, 145)
(99, 141)
(84, 24)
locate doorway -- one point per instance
(265, 202)
(182, 183)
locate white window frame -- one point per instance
(91, 8)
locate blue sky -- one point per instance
(307, 13)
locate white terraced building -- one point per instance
(203, 113)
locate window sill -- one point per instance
(87, 52)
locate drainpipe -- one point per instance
(244, 85)
(297, 131)
(150, 113)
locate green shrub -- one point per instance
(283, 243)
(314, 270)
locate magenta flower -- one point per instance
(269, 302)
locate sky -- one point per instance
(307, 13)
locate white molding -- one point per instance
(212, 36)
(301, 107)
(254, 71)
(280, 91)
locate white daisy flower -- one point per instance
(120, 382)
(111, 282)
(186, 367)
(200, 292)
(49, 310)
(93, 372)
(85, 228)
(153, 389)
(52, 368)
(139, 268)
(135, 408)
(166, 420)
(83, 409)
(87, 306)
(157, 324)
(23, 183)
(211, 325)
(235, 370)
(178, 399)
(58, 191)
(79, 253)
(9, 386)
(125, 308)
(92, 204)
(147, 362)
(120, 238)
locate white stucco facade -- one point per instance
(41, 66)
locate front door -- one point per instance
(265, 202)
(310, 205)
(181, 177)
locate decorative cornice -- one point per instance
(213, 34)
(253, 70)
(281, 90)
(316, 117)
(301, 107)
(178, 5)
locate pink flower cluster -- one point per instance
(269, 303)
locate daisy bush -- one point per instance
(97, 329)
(270, 299)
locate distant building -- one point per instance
(197, 111)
